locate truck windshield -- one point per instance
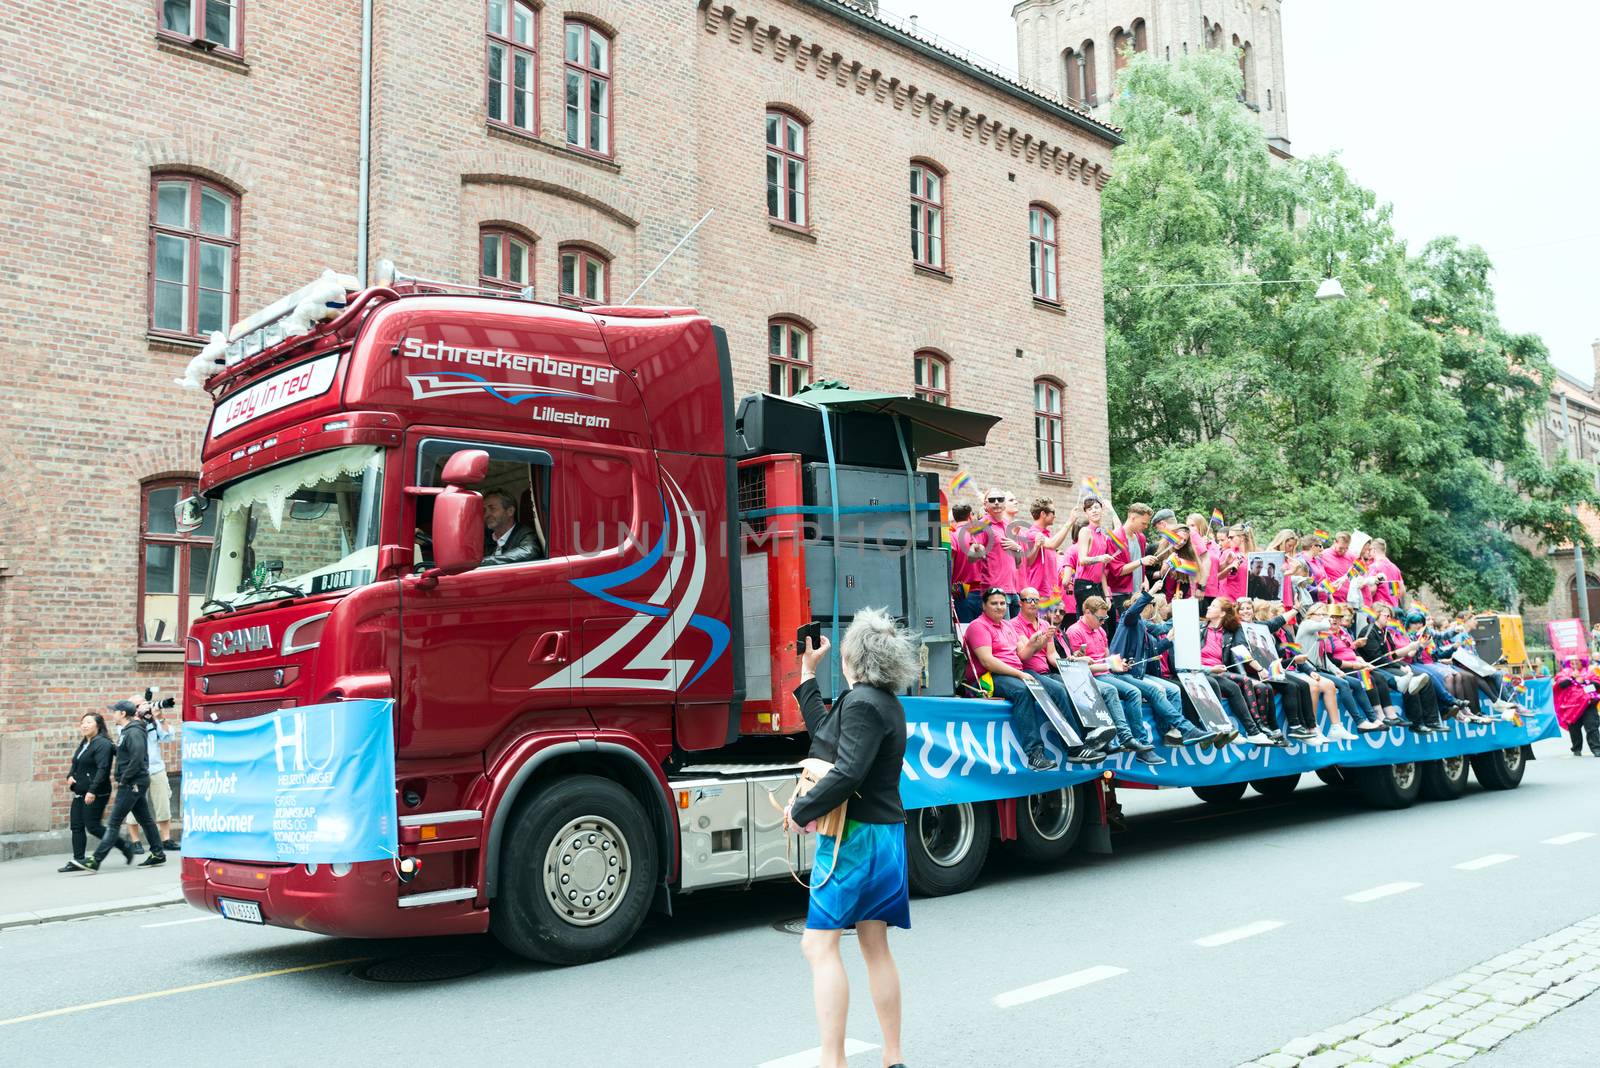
(304, 527)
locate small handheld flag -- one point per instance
(1172, 540)
(1185, 567)
(1358, 569)
(1052, 601)
(961, 483)
(1216, 517)
(1320, 534)
(1293, 647)
(1119, 538)
(1366, 678)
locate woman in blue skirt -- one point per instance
(858, 880)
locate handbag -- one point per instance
(813, 771)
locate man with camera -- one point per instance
(156, 732)
(133, 788)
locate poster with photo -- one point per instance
(1263, 650)
(1267, 575)
(1086, 698)
(1206, 703)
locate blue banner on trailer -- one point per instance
(309, 785)
(959, 749)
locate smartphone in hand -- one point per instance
(811, 632)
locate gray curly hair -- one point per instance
(875, 651)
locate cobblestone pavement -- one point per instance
(1460, 1017)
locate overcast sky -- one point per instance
(1494, 141)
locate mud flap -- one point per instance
(1096, 834)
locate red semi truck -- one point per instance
(595, 716)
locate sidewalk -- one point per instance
(32, 891)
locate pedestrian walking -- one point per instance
(90, 782)
(133, 787)
(859, 879)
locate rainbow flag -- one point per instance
(1216, 517)
(1323, 534)
(1119, 538)
(1185, 567)
(1327, 586)
(1366, 678)
(1293, 647)
(1172, 540)
(961, 483)
(1052, 601)
(1275, 671)
(1358, 569)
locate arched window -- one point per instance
(927, 215)
(786, 168)
(788, 356)
(513, 64)
(209, 24)
(931, 373)
(588, 88)
(1087, 51)
(1048, 433)
(194, 255)
(1072, 75)
(1247, 67)
(505, 259)
(1121, 41)
(1141, 37)
(173, 566)
(585, 276)
(1043, 253)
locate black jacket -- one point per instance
(133, 755)
(864, 735)
(91, 766)
(520, 547)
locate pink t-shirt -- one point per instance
(997, 566)
(1214, 570)
(1001, 638)
(1043, 572)
(1237, 583)
(1085, 640)
(1211, 648)
(1098, 544)
(1336, 568)
(963, 568)
(1069, 571)
(1023, 629)
(1386, 591)
(1339, 647)
(1116, 583)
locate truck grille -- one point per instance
(222, 712)
(248, 681)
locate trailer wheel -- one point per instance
(1277, 786)
(579, 868)
(1389, 785)
(1444, 780)
(1334, 777)
(1221, 794)
(946, 846)
(1501, 769)
(1048, 824)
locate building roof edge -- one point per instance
(843, 9)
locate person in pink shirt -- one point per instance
(1069, 573)
(966, 582)
(1094, 549)
(1210, 553)
(999, 554)
(1388, 587)
(1233, 582)
(1041, 561)
(1336, 562)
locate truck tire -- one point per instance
(946, 847)
(1501, 769)
(1335, 777)
(1220, 794)
(1277, 786)
(1444, 780)
(1048, 824)
(578, 871)
(1389, 785)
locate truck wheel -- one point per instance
(1389, 785)
(1500, 770)
(578, 870)
(1444, 780)
(1048, 824)
(1278, 786)
(1220, 794)
(1334, 777)
(946, 846)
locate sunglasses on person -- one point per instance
(1030, 600)
(996, 500)
(992, 590)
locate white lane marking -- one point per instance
(1485, 862)
(1059, 985)
(175, 923)
(1386, 890)
(1249, 930)
(812, 1057)
(1568, 839)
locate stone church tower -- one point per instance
(1072, 48)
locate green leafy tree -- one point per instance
(1402, 409)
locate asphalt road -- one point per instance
(1214, 934)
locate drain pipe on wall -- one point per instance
(365, 180)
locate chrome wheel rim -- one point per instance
(1051, 814)
(1405, 775)
(586, 871)
(947, 833)
(1512, 758)
(1454, 767)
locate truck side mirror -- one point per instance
(465, 468)
(457, 528)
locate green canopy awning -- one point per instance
(930, 428)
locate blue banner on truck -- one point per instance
(311, 785)
(959, 749)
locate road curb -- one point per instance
(97, 908)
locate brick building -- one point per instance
(1075, 48)
(1575, 433)
(882, 212)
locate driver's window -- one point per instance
(516, 501)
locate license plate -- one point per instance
(245, 911)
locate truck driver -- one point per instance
(508, 541)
